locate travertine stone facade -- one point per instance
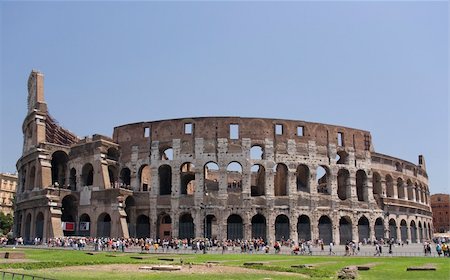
(219, 177)
(8, 183)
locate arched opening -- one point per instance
(112, 154)
(211, 177)
(281, 180)
(186, 225)
(167, 154)
(165, 179)
(130, 210)
(376, 184)
(142, 226)
(323, 182)
(389, 186)
(361, 185)
(84, 228)
(23, 180)
(73, 179)
(32, 180)
(39, 226)
(429, 231)
(69, 215)
(398, 167)
(258, 180)
(27, 235)
(304, 228)
(343, 181)
(144, 178)
(420, 232)
(125, 177)
(87, 175)
(409, 187)
(363, 229)
(325, 230)
(379, 229)
(235, 229)
(256, 152)
(392, 229)
(104, 225)
(59, 168)
(164, 226)
(425, 231)
(342, 157)
(112, 172)
(282, 228)
(211, 227)
(400, 188)
(413, 229)
(417, 193)
(187, 178)
(403, 231)
(259, 227)
(303, 178)
(18, 227)
(345, 230)
(234, 177)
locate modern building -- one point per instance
(440, 204)
(8, 184)
(215, 177)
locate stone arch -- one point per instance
(392, 229)
(187, 178)
(104, 225)
(113, 154)
(325, 229)
(410, 189)
(125, 177)
(130, 210)
(211, 227)
(73, 179)
(345, 230)
(259, 226)
(167, 154)
(164, 226)
(379, 229)
(282, 228)
(186, 226)
(304, 228)
(323, 180)
(389, 186)
(303, 178)
(398, 167)
(84, 228)
(32, 179)
(142, 226)
(165, 179)
(413, 229)
(403, 231)
(27, 235)
(343, 180)
(257, 152)
(400, 188)
(342, 157)
(281, 180)
(69, 214)
(420, 232)
(258, 180)
(87, 175)
(234, 176)
(417, 193)
(39, 232)
(429, 231)
(235, 228)
(376, 183)
(361, 185)
(113, 175)
(363, 228)
(59, 168)
(144, 176)
(211, 176)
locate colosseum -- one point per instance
(215, 177)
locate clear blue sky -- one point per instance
(378, 66)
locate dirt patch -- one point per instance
(193, 269)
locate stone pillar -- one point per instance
(293, 228)
(355, 231)
(292, 182)
(175, 216)
(199, 222)
(399, 233)
(408, 233)
(336, 234)
(314, 227)
(270, 229)
(175, 181)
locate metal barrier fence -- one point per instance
(20, 276)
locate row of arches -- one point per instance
(399, 188)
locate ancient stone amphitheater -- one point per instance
(215, 177)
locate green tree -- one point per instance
(6, 222)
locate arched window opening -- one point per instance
(69, 213)
(322, 175)
(142, 226)
(23, 180)
(256, 152)
(130, 210)
(39, 233)
(420, 232)
(125, 177)
(403, 231)
(87, 175)
(303, 178)
(343, 180)
(400, 188)
(417, 193)
(211, 177)
(112, 172)
(84, 228)
(342, 157)
(389, 186)
(28, 228)
(304, 228)
(73, 179)
(413, 229)
(234, 177)
(165, 180)
(281, 180)
(235, 228)
(325, 229)
(186, 226)
(345, 230)
(363, 229)
(32, 180)
(361, 185)
(258, 180)
(104, 225)
(187, 178)
(59, 168)
(211, 227)
(379, 229)
(398, 167)
(164, 226)
(112, 154)
(410, 189)
(167, 154)
(259, 227)
(376, 183)
(392, 230)
(282, 228)
(144, 178)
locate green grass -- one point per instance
(324, 267)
